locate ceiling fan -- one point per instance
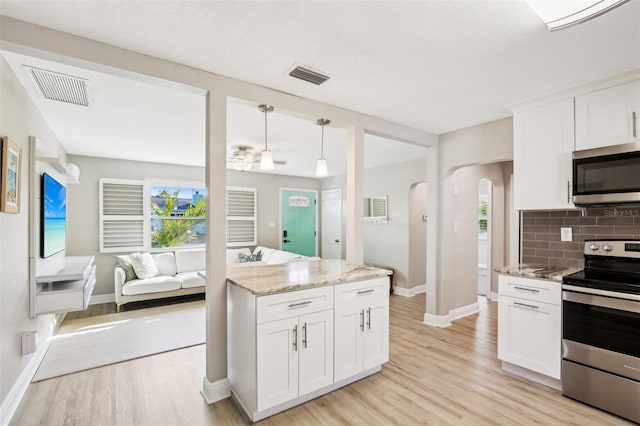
(245, 156)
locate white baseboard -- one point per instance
(409, 292)
(443, 321)
(16, 393)
(532, 375)
(102, 298)
(458, 313)
(493, 296)
(216, 391)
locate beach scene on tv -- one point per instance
(54, 206)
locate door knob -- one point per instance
(286, 241)
(336, 241)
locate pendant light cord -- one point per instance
(265, 131)
(322, 144)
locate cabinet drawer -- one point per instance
(367, 292)
(530, 289)
(293, 303)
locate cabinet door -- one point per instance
(605, 117)
(529, 335)
(278, 343)
(542, 149)
(376, 335)
(349, 325)
(315, 351)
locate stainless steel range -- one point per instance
(601, 328)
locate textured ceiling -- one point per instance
(433, 65)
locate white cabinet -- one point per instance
(529, 324)
(362, 331)
(67, 289)
(295, 357)
(287, 348)
(543, 142)
(608, 117)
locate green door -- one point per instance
(299, 222)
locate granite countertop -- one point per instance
(298, 275)
(547, 272)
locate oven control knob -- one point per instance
(594, 247)
(607, 247)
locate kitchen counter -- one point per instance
(546, 272)
(298, 275)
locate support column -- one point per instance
(355, 172)
(216, 384)
(433, 232)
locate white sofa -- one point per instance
(178, 273)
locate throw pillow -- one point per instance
(125, 263)
(255, 257)
(143, 265)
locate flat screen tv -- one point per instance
(54, 216)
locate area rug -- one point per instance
(86, 343)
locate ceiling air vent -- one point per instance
(309, 75)
(60, 87)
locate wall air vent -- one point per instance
(60, 87)
(308, 75)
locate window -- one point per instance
(177, 216)
(145, 215)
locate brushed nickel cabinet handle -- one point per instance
(295, 338)
(366, 291)
(568, 191)
(533, 290)
(525, 305)
(362, 320)
(369, 318)
(635, 129)
(297, 305)
(304, 335)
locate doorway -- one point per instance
(484, 235)
(298, 214)
(332, 224)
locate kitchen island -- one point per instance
(302, 329)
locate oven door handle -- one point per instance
(603, 302)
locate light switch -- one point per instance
(566, 234)
(29, 341)
(455, 226)
(272, 224)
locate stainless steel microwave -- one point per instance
(607, 176)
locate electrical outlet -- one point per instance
(455, 226)
(566, 234)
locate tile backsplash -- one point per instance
(541, 232)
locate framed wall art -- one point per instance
(11, 163)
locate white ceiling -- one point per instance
(436, 66)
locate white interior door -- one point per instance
(332, 224)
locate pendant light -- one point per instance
(266, 159)
(321, 164)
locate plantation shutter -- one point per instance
(241, 217)
(378, 207)
(122, 215)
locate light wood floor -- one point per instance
(435, 376)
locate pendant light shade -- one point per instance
(266, 159)
(321, 165)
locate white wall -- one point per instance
(388, 244)
(83, 204)
(483, 144)
(83, 225)
(268, 187)
(19, 119)
(46, 43)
